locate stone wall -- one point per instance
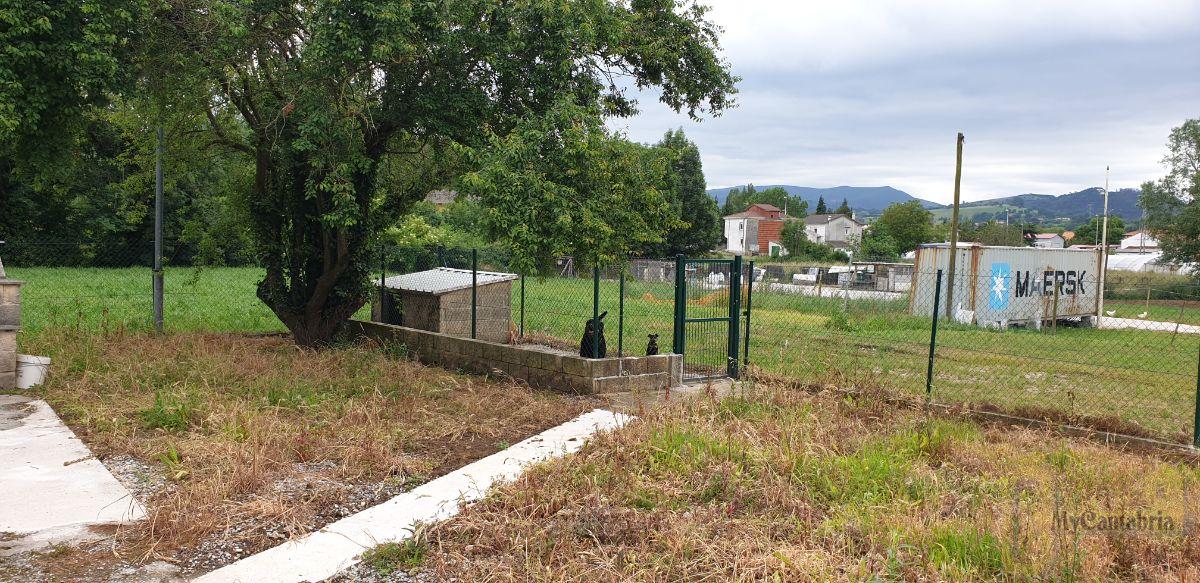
(538, 366)
(10, 322)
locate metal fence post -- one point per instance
(474, 288)
(680, 303)
(1196, 419)
(735, 315)
(621, 316)
(521, 328)
(749, 307)
(158, 235)
(596, 312)
(384, 304)
(937, 298)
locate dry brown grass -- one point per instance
(240, 422)
(777, 484)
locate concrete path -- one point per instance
(51, 488)
(1110, 323)
(332, 549)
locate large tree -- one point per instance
(1172, 204)
(1089, 233)
(908, 224)
(699, 229)
(333, 99)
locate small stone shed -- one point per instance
(439, 300)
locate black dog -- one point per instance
(652, 347)
(593, 344)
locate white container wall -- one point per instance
(997, 286)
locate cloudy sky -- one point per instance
(871, 93)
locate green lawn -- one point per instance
(1140, 377)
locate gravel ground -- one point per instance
(361, 573)
(248, 537)
(140, 478)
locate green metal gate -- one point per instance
(709, 299)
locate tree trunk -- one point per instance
(316, 272)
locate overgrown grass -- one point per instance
(773, 484)
(256, 436)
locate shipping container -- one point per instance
(999, 286)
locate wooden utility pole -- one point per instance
(954, 229)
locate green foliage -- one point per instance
(967, 550)
(821, 208)
(801, 248)
(170, 412)
(1088, 233)
(739, 200)
(1172, 204)
(388, 558)
(907, 223)
(60, 59)
(684, 187)
(561, 184)
(173, 464)
(877, 245)
(988, 233)
(351, 114)
(844, 208)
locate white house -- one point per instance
(837, 231)
(1049, 240)
(741, 234)
(1139, 240)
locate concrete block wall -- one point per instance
(537, 366)
(10, 323)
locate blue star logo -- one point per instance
(1001, 276)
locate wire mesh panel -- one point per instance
(649, 307)
(85, 287)
(711, 294)
(1038, 343)
(822, 323)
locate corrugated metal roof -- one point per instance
(444, 280)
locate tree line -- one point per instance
(319, 125)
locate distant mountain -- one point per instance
(1068, 209)
(1063, 209)
(863, 199)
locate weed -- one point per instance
(170, 413)
(173, 463)
(388, 558)
(966, 551)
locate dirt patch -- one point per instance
(235, 444)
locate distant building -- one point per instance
(834, 230)
(1048, 240)
(1139, 240)
(756, 230)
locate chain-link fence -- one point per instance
(1033, 343)
(1036, 343)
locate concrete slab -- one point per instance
(332, 549)
(51, 488)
